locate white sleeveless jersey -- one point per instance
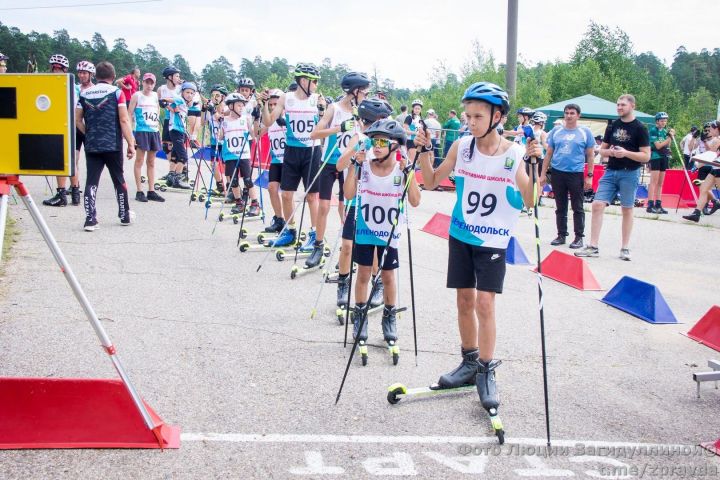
(301, 117)
(488, 202)
(236, 142)
(379, 200)
(276, 135)
(336, 143)
(147, 112)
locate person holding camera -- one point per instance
(709, 174)
(627, 145)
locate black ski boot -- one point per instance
(693, 217)
(58, 200)
(486, 386)
(343, 290)
(360, 313)
(180, 182)
(316, 255)
(75, 195)
(379, 294)
(465, 373)
(238, 208)
(276, 226)
(390, 332)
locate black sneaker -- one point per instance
(140, 197)
(91, 225)
(560, 240)
(125, 221)
(154, 197)
(693, 217)
(75, 195)
(58, 200)
(577, 243)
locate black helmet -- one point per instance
(354, 80)
(169, 71)
(374, 109)
(219, 88)
(292, 87)
(307, 70)
(526, 111)
(246, 82)
(389, 128)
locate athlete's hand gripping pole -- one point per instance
(533, 160)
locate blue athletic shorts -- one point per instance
(624, 182)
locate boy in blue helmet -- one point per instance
(178, 109)
(491, 187)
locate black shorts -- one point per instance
(348, 231)
(327, 179)
(469, 266)
(194, 113)
(166, 131)
(231, 165)
(300, 163)
(659, 164)
(79, 139)
(148, 141)
(410, 143)
(215, 152)
(715, 172)
(275, 173)
(364, 256)
(178, 147)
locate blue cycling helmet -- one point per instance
(188, 86)
(661, 116)
(490, 93)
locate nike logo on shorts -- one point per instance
(495, 256)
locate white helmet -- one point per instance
(60, 60)
(233, 98)
(539, 117)
(275, 93)
(417, 101)
(85, 66)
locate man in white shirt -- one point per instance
(435, 130)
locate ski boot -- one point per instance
(276, 226)
(286, 239)
(316, 255)
(254, 210)
(309, 244)
(238, 208)
(464, 374)
(58, 200)
(179, 182)
(378, 296)
(230, 198)
(487, 390)
(75, 195)
(390, 332)
(343, 290)
(361, 334)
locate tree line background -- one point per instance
(603, 64)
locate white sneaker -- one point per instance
(625, 254)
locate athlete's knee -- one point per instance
(247, 182)
(485, 301)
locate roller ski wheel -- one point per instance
(261, 238)
(193, 197)
(394, 351)
(243, 233)
(280, 256)
(293, 272)
(362, 348)
(244, 247)
(236, 219)
(163, 188)
(143, 179)
(340, 314)
(221, 217)
(201, 198)
(398, 391)
(497, 425)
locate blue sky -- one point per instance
(403, 40)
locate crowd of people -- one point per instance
(355, 142)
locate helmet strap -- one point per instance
(306, 91)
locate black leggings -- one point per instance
(96, 162)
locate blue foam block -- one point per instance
(202, 153)
(639, 299)
(515, 255)
(263, 179)
(642, 192)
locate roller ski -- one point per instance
(340, 312)
(287, 240)
(487, 391)
(295, 271)
(389, 328)
(173, 183)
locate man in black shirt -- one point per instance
(627, 146)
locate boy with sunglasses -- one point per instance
(379, 190)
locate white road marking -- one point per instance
(400, 439)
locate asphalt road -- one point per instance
(231, 356)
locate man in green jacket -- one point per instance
(452, 125)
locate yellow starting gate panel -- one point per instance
(37, 124)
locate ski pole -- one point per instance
(529, 134)
(376, 278)
(213, 158)
(412, 282)
(197, 165)
(356, 205)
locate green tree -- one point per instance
(219, 71)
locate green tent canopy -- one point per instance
(593, 108)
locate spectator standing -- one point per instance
(402, 115)
(685, 146)
(435, 130)
(568, 148)
(627, 145)
(660, 138)
(451, 127)
(130, 83)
